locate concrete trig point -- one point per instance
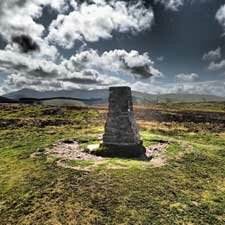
(121, 137)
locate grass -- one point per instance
(189, 189)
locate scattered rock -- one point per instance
(67, 150)
(70, 150)
(92, 147)
(154, 154)
(154, 151)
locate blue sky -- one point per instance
(3, 76)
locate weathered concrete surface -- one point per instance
(121, 137)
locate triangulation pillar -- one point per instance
(121, 137)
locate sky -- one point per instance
(153, 46)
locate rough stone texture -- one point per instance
(121, 136)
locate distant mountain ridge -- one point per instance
(100, 96)
(76, 93)
(7, 100)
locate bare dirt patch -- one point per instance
(64, 151)
(154, 151)
(70, 150)
(154, 154)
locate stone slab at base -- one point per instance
(123, 151)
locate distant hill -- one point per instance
(189, 98)
(92, 97)
(7, 100)
(60, 101)
(70, 97)
(63, 102)
(76, 93)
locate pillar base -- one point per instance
(122, 151)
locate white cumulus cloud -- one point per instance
(212, 55)
(84, 70)
(171, 4)
(176, 5)
(215, 66)
(115, 61)
(216, 87)
(220, 16)
(31, 57)
(18, 16)
(187, 77)
(91, 22)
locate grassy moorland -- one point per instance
(189, 188)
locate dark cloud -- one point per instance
(80, 80)
(26, 43)
(143, 71)
(43, 72)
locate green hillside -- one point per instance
(184, 185)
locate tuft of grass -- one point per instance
(81, 163)
(174, 149)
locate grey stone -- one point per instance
(121, 135)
